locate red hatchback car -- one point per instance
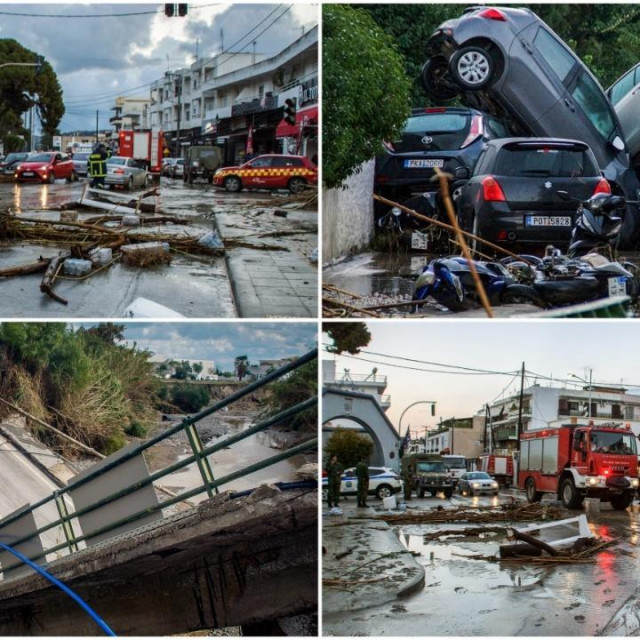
(45, 167)
(269, 172)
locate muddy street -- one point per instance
(265, 270)
(465, 594)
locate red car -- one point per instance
(45, 167)
(269, 172)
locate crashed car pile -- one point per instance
(540, 155)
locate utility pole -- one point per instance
(453, 424)
(518, 434)
(179, 90)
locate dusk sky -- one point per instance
(223, 341)
(104, 53)
(549, 349)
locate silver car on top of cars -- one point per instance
(125, 172)
(508, 62)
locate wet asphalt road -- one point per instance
(192, 286)
(464, 596)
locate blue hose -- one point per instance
(99, 621)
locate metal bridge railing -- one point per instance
(21, 531)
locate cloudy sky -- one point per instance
(549, 350)
(223, 341)
(109, 50)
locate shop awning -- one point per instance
(304, 117)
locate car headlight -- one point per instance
(44, 167)
(593, 481)
(634, 482)
(475, 485)
(494, 485)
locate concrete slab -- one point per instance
(376, 567)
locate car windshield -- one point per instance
(430, 467)
(607, 442)
(41, 157)
(455, 463)
(594, 104)
(545, 161)
(478, 475)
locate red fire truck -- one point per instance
(578, 461)
(498, 466)
(144, 146)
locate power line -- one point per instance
(99, 15)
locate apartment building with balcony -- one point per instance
(544, 407)
(130, 113)
(459, 436)
(232, 99)
(372, 383)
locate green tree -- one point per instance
(349, 446)
(197, 368)
(23, 87)
(241, 366)
(365, 89)
(347, 336)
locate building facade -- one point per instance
(372, 383)
(130, 113)
(236, 100)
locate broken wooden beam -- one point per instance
(26, 269)
(46, 286)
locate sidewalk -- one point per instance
(268, 283)
(374, 566)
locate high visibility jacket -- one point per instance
(98, 164)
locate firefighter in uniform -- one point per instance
(98, 166)
(362, 473)
(334, 473)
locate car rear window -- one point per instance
(545, 162)
(447, 130)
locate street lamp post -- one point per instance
(573, 375)
(433, 412)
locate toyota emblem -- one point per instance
(427, 140)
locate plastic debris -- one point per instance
(145, 253)
(211, 240)
(76, 267)
(130, 221)
(144, 308)
(100, 257)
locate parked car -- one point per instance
(167, 163)
(125, 172)
(624, 95)
(269, 172)
(509, 62)
(512, 198)
(177, 168)
(80, 162)
(442, 137)
(477, 482)
(45, 167)
(383, 482)
(8, 165)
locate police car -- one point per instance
(383, 482)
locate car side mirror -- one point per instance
(462, 173)
(618, 143)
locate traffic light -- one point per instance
(169, 10)
(290, 110)
(182, 10)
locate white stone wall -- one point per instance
(347, 216)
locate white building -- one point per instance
(372, 383)
(130, 113)
(231, 96)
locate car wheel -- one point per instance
(130, 183)
(296, 185)
(436, 79)
(533, 495)
(571, 498)
(52, 178)
(383, 491)
(472, 68)
(73, 177)
(233, 184)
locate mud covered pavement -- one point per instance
(463, 592)
(191, 284)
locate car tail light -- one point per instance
(492, 191)
(502, 235)
(475, 131)
(602, 187)
(118, 171)
(493, 14)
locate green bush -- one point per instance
(136, 429)
(189, 398)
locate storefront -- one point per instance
(300, 138)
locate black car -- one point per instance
(8, 165)
(508, 62)
(512, 196)
(443, 137)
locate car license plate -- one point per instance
(547, 221)
(617, 287)
(424, 164)
(419, 241)
(28, 174)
